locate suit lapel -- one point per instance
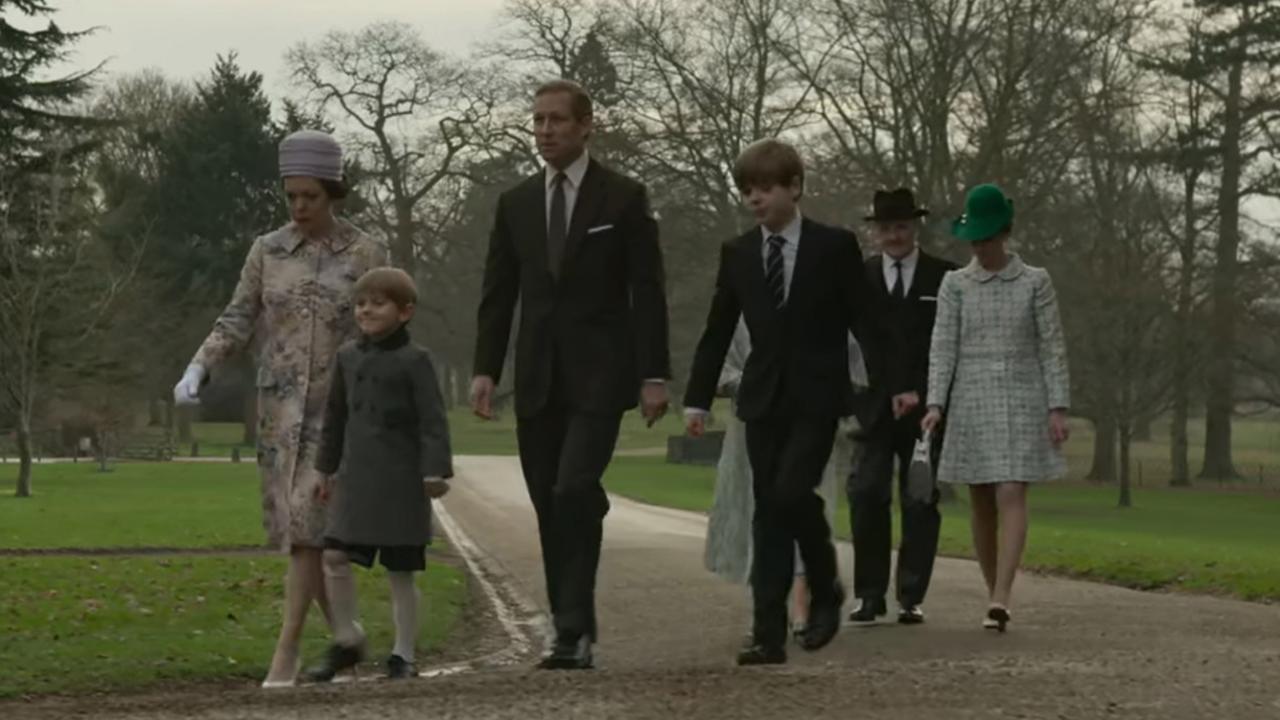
(751, 251)
(533, 205)
(924, 277)
(875, 267)
(585, 210)
(807, 252)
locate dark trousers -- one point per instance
(870, 502)
(787, 457)
(564, 454)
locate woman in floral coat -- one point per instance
(998, 370)
(293, 304)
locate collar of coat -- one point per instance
(1011, 271)
(397, 339)
(340, 238)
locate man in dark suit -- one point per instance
(577, 245)
(904, 291)
(799, 285)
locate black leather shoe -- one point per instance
(399, 669)
(824, 621)
(336, 659)
(910, 615)
(757, 654)
(569, 655)
(868, 611)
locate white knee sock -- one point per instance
(404, 610)
(341, 586)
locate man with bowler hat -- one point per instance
(904, 293)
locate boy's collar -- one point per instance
(397, 338)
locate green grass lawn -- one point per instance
(1255, 443)
(469, 435)
(79, 623)
(1194, 540)
(137, 504)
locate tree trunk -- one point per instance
(24, 454)
(1183, 350)
(155, 411)
(1222, 351)
(1142, 431)
(1126, 478)
(184, 424)
(1104, 451)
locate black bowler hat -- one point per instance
(893, 205)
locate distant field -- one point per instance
(1199, 540)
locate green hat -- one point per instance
(986, 212)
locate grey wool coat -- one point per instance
(385, 430)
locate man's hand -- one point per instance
(436, 487)
(1059, 431)
(653, 401)
(904, 403)
(482, 396)
(695, 423)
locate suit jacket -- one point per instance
(901, 331)
(799, 362)
(595, 333)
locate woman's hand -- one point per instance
(932, 419)
(324, 489)
(1059, 431)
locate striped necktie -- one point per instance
(775, 275)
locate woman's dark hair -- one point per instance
(335, 189)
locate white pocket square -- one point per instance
(599, 228)
(928, 298)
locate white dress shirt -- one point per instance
(791, 233)
(908, 270)
(572, 182)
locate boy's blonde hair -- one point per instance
(392, 283)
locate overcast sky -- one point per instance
(183, 37)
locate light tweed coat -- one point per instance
(998, 348)
(293, 303)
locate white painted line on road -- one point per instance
(473, 556)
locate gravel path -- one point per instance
(669, 632)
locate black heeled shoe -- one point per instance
(998, 618)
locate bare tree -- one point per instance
(1231, 54)
(58, 284)
(414, 113)
(943, 94)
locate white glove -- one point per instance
(187, 391)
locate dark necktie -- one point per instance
(556, 225)
(899, 291)
(775, 275)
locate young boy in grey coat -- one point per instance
(385, 450)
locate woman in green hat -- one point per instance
(998, 372)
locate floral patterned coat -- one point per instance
(293, 304)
